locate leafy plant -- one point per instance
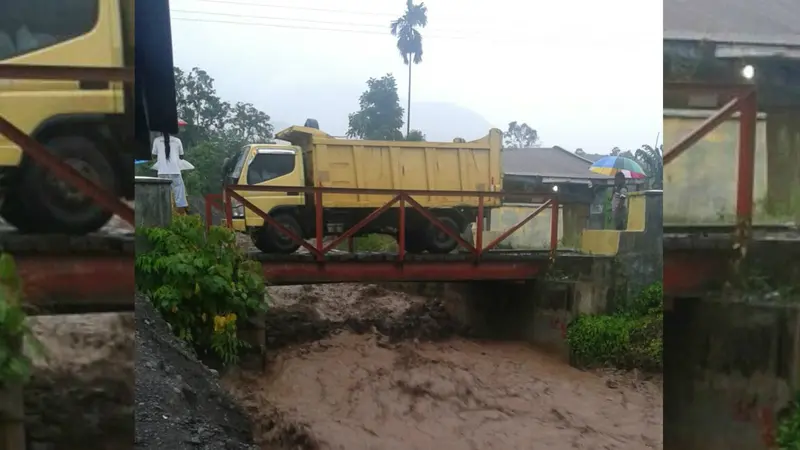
(631, 338)
(15, 366)
(788, 436)
(202, 284)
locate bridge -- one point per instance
(592, 260)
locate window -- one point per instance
(28, 25)
(236, 169)
(270, 164)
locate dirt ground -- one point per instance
(81, 391)
(179, 402)
(405, 380)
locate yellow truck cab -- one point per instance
(310, 157)
(88, 124)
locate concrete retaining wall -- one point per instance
(731, 368)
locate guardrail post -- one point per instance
(554, 209)
(153, 205)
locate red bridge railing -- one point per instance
(742, 99)
(403, 198)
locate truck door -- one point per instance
(274, 167)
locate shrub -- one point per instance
(15, 366)
(378, 243)
(788, 436)
(202, 284)
(632, 338)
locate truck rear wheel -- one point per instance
(41, 203)
(439, 242)
(269, 239)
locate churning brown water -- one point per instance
(359, 391)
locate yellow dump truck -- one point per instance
(88, 124)
(314, 158)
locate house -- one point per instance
(540, 172)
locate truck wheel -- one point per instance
(439, 242)
(42, 203)
(270, 240)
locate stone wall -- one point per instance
(731, 367)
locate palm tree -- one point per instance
(409, 42)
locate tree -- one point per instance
(215, 129)
(652, 161)
(380, 115)
(210, 118)
(580, 152)
(415, 135)
(520, 135)
(409, 42)
(615, 151)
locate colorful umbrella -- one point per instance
(611, 165)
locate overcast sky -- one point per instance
(583, 73)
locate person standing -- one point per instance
(168, 150)
(619, 210)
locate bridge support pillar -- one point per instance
(153, 205)
(731, 367)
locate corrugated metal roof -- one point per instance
(554, 162)
(764, 22)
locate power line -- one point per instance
(275, 25)
(383, 28)
(302, 25)
(321, 22)
(299, 8)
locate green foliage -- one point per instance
(380, 115)
(788, 436)
(415, 135)
(215, 129)
(520, 135)
(201, 284)
(15, 366)
(652, 161)
(631, 338)
(406, 29)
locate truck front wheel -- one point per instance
(39, 202)
(269, 239)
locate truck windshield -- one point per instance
(29, 25)
(234, 171)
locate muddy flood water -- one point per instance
(364, 391)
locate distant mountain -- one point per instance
(331, 105)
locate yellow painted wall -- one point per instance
(700, 185)
(535, 235)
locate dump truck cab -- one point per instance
(89, 125)
(266, 165)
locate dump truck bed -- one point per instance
(451, 166)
